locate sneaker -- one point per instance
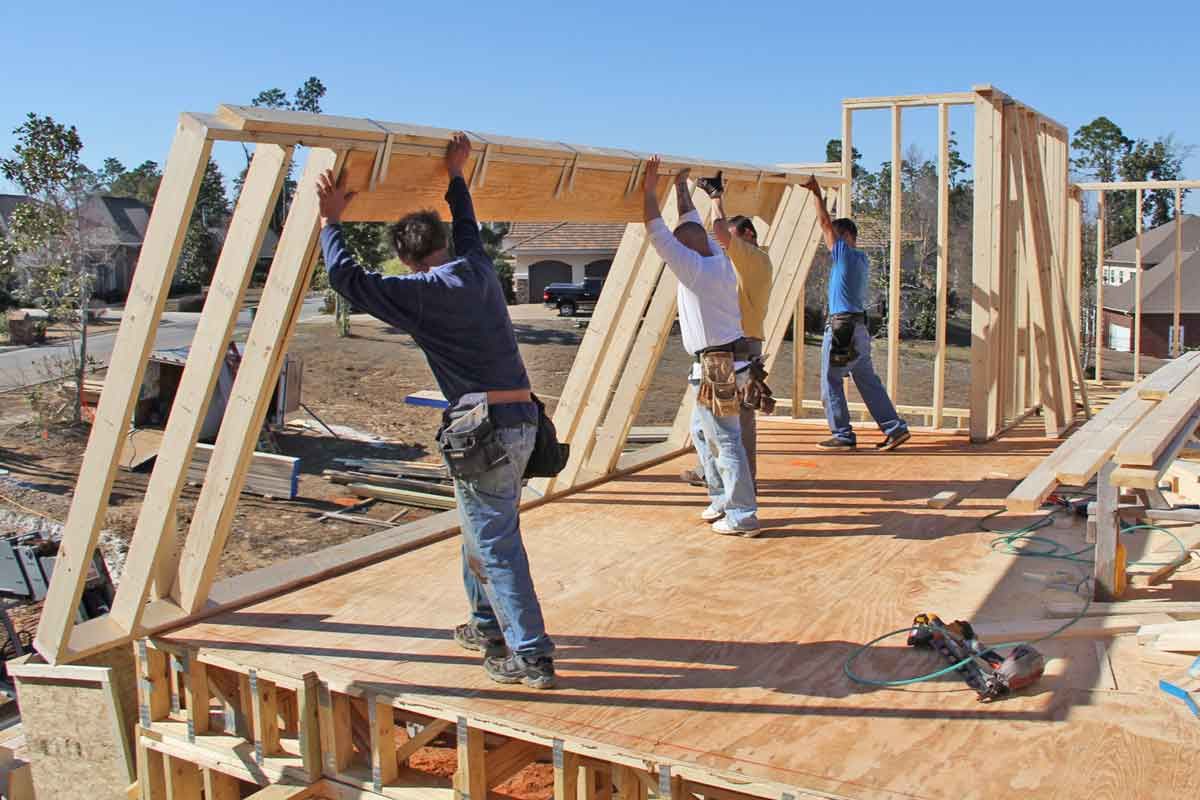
(836, 443)
(693, 476)
(711, 514)
(725, 528)
(469, 637)
(894, 441)
(537, 673)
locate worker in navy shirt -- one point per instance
(846, 347)
(455, 311)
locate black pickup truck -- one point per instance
(571, 298)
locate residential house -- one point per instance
(558, 252)
(1158, 247)
(1158, 308)
(114, 230)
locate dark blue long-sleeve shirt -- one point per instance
(456, 312)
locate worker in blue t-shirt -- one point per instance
(846, 348)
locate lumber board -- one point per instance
(1086, 628)
(983, 375)
(942, 499)
(896, 259)
(846, 197)
(1122, 186)
(135, 337)
(1162, 382)
(1099, 336)
(1177, 305)
(262, 360)
(1154, 432)
(942, 281)
(150, 545)
(405, 496)
(1099, 438)
(1178, 643)
(1137, 286)
(910, 100)
(1125, 607)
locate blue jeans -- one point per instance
(727, 471)
(833, 394)
(495, 566)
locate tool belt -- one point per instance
(718, 383)
(467, 438)
(841, 346)
(742, 349)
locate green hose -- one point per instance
(1006, 544)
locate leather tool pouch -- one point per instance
(841, 349)
(549, 455)
(756, 394)
(468, 440)
(718, 384)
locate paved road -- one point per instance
(28, 365)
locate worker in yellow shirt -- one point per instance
(753, 268)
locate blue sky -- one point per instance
(755, 81)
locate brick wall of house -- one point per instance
(1156, 331)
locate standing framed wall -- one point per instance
(1102, 189)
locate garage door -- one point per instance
(1119, 337)
(544, 273)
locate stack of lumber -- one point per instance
(412, 483)
(1142, 431)
(269, 475)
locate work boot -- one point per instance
(836, 443)
(711, 514)
(469, 637)
(537, 673)
(894, 440)
(693, 476)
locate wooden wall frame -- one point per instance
(395, 168)
(1139, 187)
(1019, 363)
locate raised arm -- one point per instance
(464, 228)
(822, 212)
(685, 262)
(683, 195)
(722, 230)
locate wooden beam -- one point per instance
(910, 100)
(470, 782)
(308, 723)
(895, 267)
(1043, 307)
(159, 254)
(385, 767)
(1178, 349)
(219, 786)
(1137, 289)
(1116, 186)
(798, 348)
(183, 780)
(1147, 440)
(987, 170)
(1099, 334)
(262, 359)
(154, 536)
(566, 773)
(265, 705)
(1105, 554)
(845, 200)
(943, 261)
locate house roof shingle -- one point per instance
(1158, 289)
(543, 237)
(1158, 244)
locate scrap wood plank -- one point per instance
(412, 484)
(1154, 432)
(1087, 627)
(1177, 608)
(1178, 643)
(141, 446)
(269, 474)
(1149, 632)
(942, 499)
(75, 728)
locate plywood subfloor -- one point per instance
(727, 653)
